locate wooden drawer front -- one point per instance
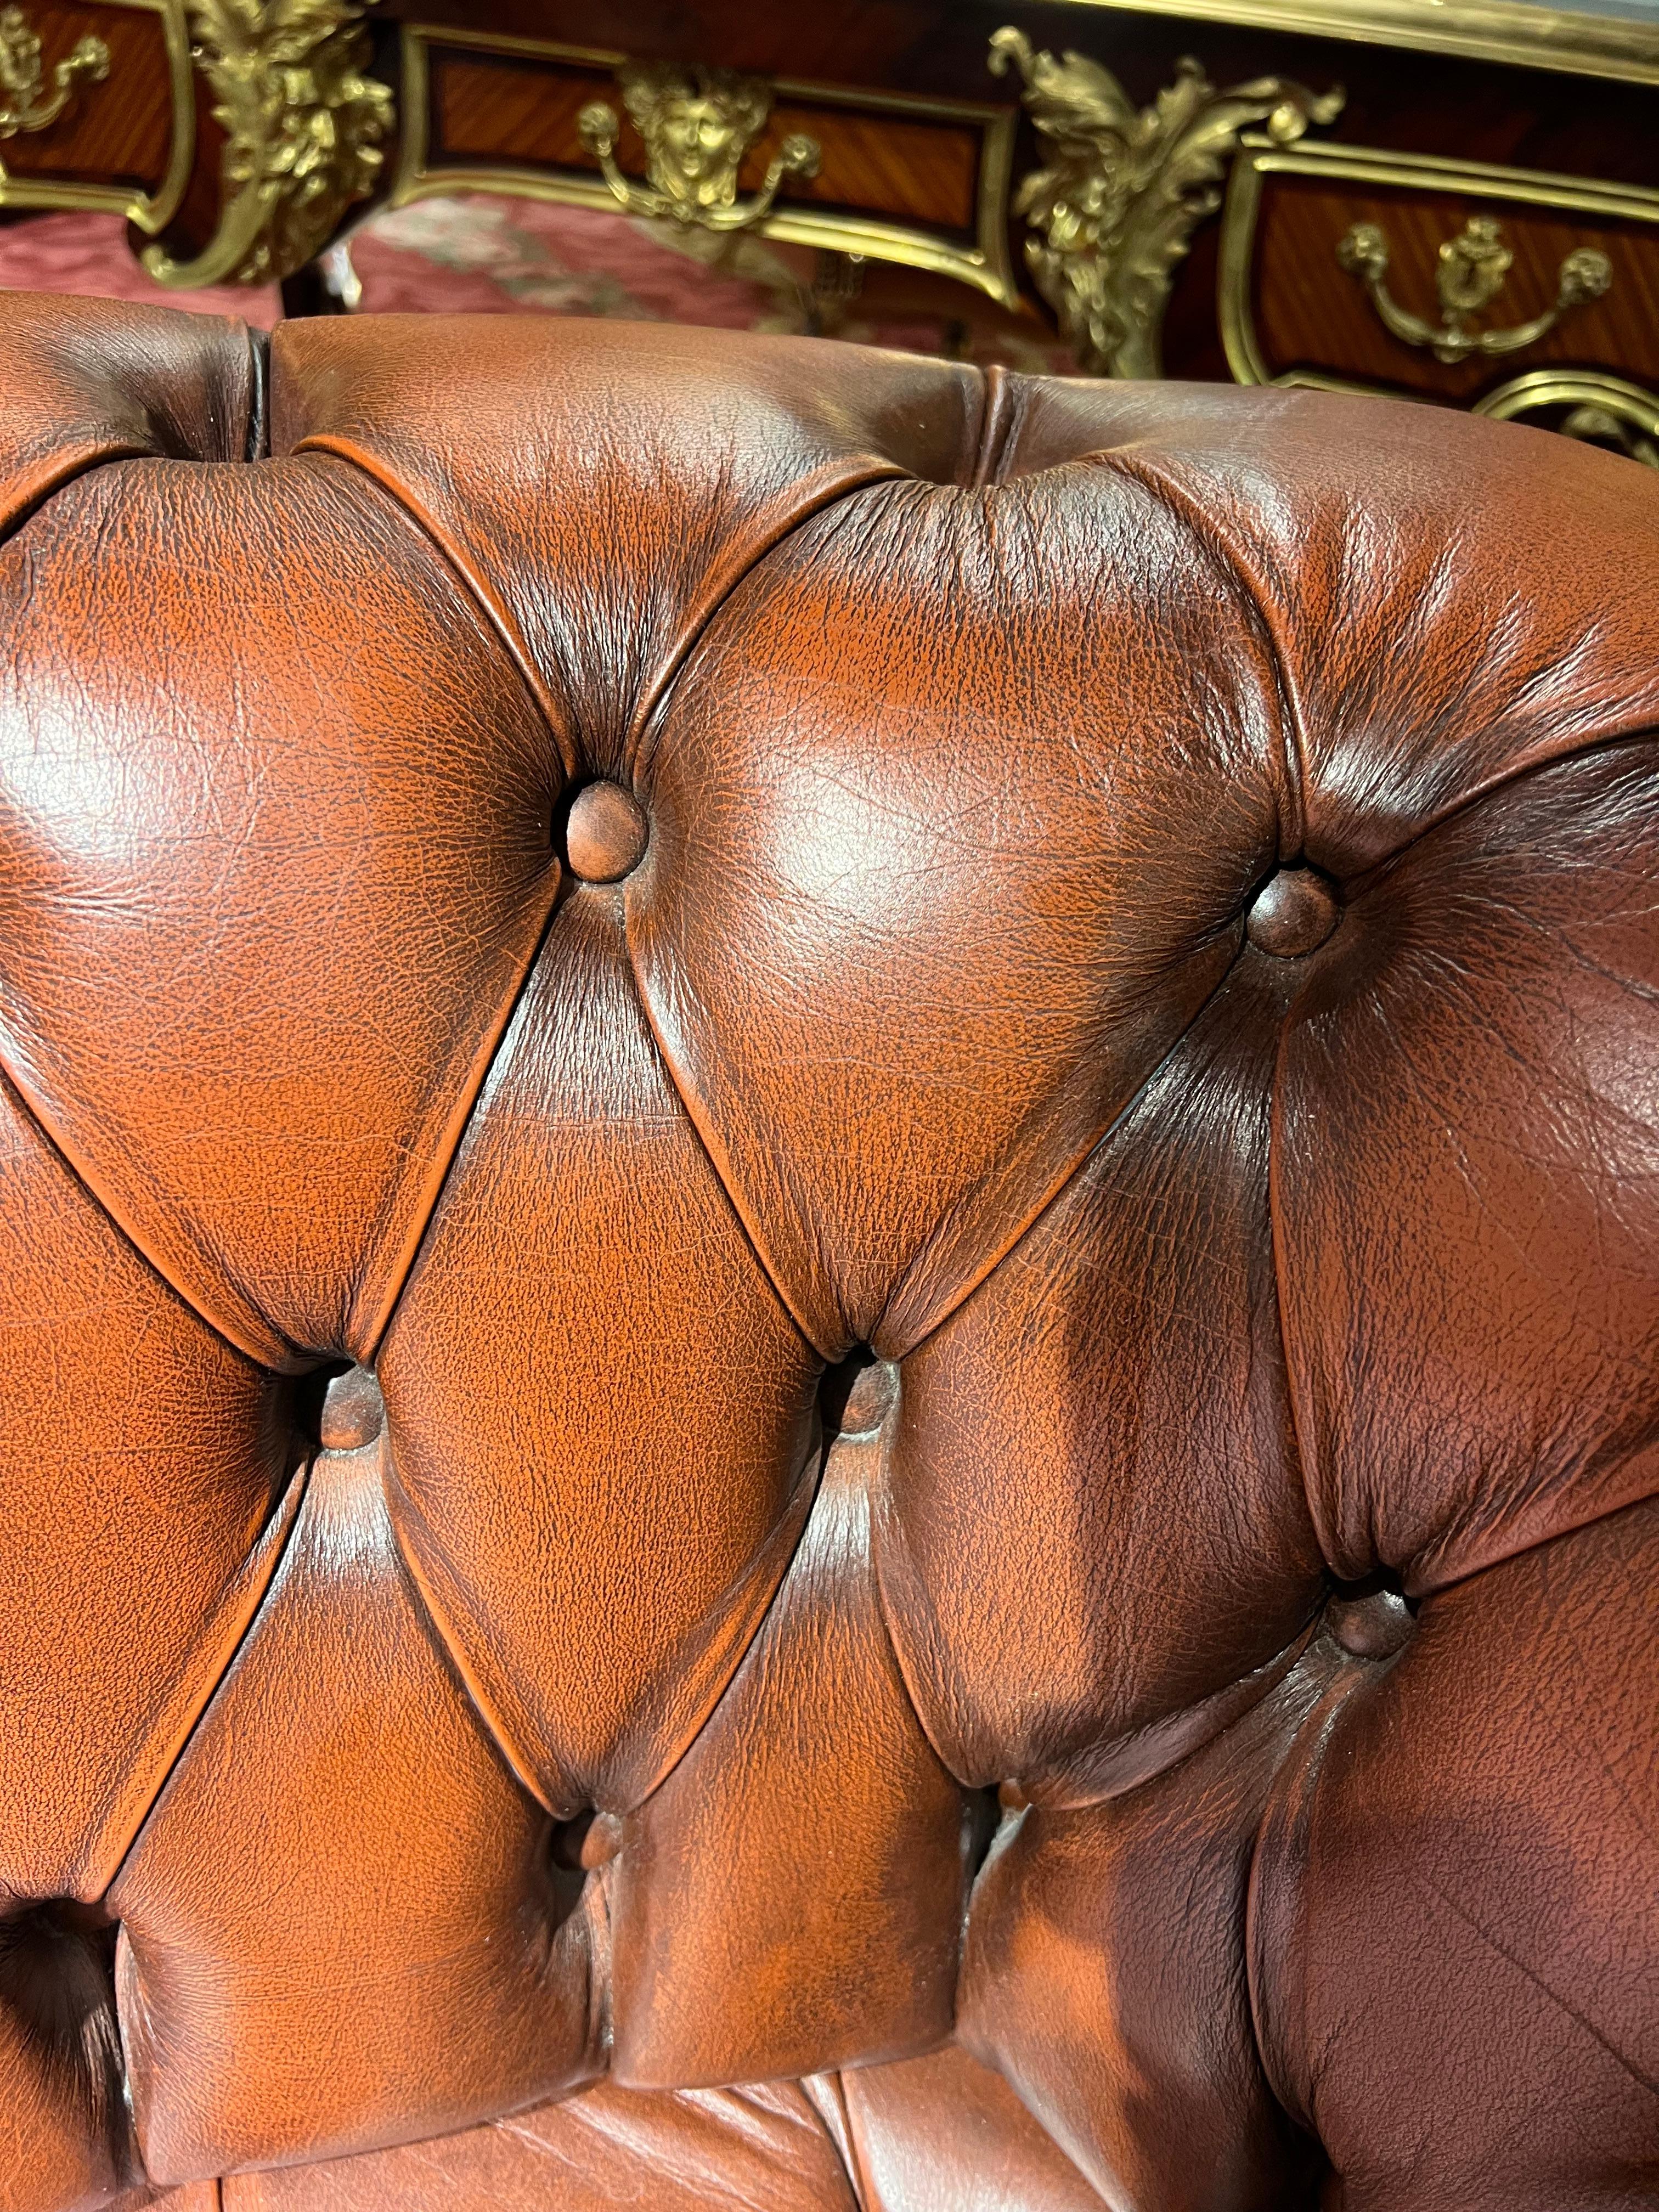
(906, 178)
(1291, 313)
(125, 137)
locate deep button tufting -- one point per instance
(354, 1412)
(1294, 912)
(1214, 1282)
(605, 835)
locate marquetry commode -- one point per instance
(1451, 202)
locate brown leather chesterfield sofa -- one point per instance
(829, 1259)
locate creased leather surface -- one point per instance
(827, 1285)
(83, 387)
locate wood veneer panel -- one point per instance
(1431, 104)
(889, 165)
(523, 114)
(1309, 314)
(116, 132)
(490, 109)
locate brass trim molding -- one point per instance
(1603, 411)
(304, 126)
(1113, 211)
(1259, 157)
(985, 265)
(148, 212)
(1509, 32)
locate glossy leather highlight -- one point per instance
(829, 1284)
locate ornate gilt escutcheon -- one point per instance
(697, 127)
(1112, 211)
(305, 126)
(1473, 270)
(25, 103)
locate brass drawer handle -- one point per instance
(695, 137)
(22, 80)
(1473, 268)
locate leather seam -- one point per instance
(293, 1502)
(452, 1142)
(1303, 1425)
(1303, 1429)
(803, 1498)
(1425, 1593)
(999, 419)
(830, 486)
(1231, 557)
(985, 381)
(883, 1615)
(425, 525)
(66, 469)
(1299, 1769)
(714, 1152)
(706, 1144)
(1223, 554)
(834, 484)
(810, 1480)
(1521, 772)
(1078, 1166)
(23, 1104)
(818, 2091)
(257, 444)
(858, 2164)
(1261, 1680)
(448, 1645)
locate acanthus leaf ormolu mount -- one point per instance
(1168, 180)
(1114, 209)
(305, 126)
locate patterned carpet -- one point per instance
(480, 254)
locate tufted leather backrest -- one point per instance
(829, 1225)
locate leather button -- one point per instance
(1372, 1627)
(354, 1412)
(607, 834)
(603, 1841)
(1294, 913)
(591, 1840)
